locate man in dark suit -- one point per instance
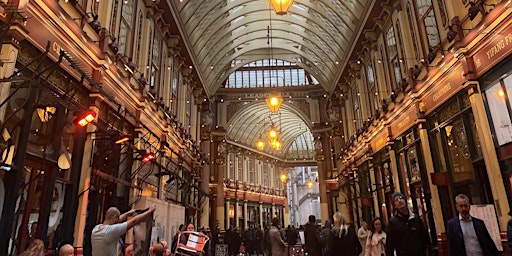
(467, 235)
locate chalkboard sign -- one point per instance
(221, 250)
(487, 213)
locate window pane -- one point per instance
(499, 113)
(431, 28)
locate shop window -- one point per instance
(497, 103)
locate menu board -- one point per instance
(487, 213)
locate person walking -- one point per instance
(342, 239)
(362, 234)
(277, 244)
(313, 242)
(324, 235)
(291, 237)
(104, 237)
(468, 235)
(407, 235)
(376, 241)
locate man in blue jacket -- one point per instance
(468, 235)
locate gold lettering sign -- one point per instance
(441, 91)
(403, 123)
(495, 48)
(379, 142)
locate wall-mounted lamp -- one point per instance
(113, 46)
(148, 157)
(45, 113)
(431, 56)
(422, 107)
(473, 10)
(122, 139)
(448, 129)
(142, 80)
(86, 118)
(451, 34)
(416, 71)
(95, 23)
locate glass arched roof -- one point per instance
(224, 36)
(317, 35)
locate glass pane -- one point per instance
(423, 6)
(391, 42)
(500, 116)
(458, 152)
(431, 28)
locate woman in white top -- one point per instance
(376, 242)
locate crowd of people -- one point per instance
(405, 235)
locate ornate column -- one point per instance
(245, 215)
(429, 166)
(228, 224)
(237, 213)
(393, 166)
(261, 213)
(205, 144)
(220, 164)
(83, 180)
(486, 142)
(490, 157)
(320, 157)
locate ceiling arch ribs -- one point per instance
(249, 17)
(318, 56)
(315, 28)
(313, 70)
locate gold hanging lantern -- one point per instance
(273, 133)
(277, 145)
(281, 7)
(283, 177)
(310, 184)
(274, 103)
(260, 144)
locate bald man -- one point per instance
(104, 237)
(66, 250)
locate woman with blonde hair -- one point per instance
(36, 248)
(342, 238)
(376, 241)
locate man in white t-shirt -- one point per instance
(105, 236)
